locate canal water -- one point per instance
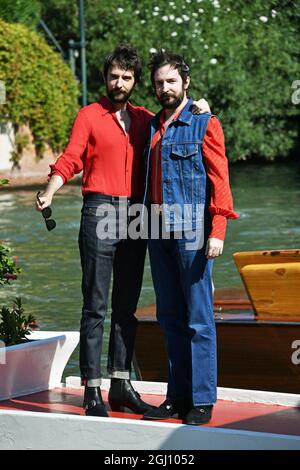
(267, 197)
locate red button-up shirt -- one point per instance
(216, 164)
(111, 160)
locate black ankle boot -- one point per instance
(169, 409)
(122, 394)
(199, 415)
(93, 403)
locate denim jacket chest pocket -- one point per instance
(186, 173)
(185, 158)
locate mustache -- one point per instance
(118, 96)
(167, 95)
(116, 92)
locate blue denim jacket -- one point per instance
(184, 179)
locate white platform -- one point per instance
(33, 430)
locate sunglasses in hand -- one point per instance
(46, 213)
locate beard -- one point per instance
(118, 96)
(171, 101)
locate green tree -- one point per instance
(20, 11)
(14, 324)
(40, 88)
(62, 17)
(244, 57)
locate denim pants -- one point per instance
(183, 287)
(102, 257)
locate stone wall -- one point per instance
(30, 170)
(6, 145)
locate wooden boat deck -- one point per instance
(259, 352)
(225, 298)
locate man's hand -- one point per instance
(200, 107)
(44, 200)
(214, 248)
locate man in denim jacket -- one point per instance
(188, 187)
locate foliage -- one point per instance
(8, 267)
(40, 88)
(244, 58)
(14, 324)
(62, 17)
(20, 11)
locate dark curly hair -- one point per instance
(161, 58)
(125, 57)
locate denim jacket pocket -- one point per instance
(185, 159)
(184, 150)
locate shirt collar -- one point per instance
(184, 115)
(108, 107)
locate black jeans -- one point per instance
(100, 258)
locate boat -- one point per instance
(271, 280)
(242, 420)
(258, 327)
(262, 353)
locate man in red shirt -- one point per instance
(107, 142)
